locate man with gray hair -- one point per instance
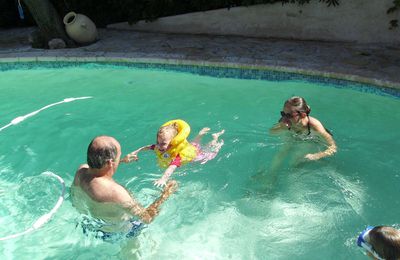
(110, 211)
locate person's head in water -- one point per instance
(103, 151)
(294, 109)
(165, 135)
(381, 242)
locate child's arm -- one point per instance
(133, 156)
(163, 180)
(317, 126)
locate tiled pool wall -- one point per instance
(237, 71)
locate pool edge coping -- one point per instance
(216, 64)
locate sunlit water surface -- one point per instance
(235, 206)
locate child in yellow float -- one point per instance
(173, 150)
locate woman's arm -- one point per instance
(278, 127)
(330, 150)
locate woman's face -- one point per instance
(289, 116)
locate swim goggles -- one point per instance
(287, 115)
(364, 244)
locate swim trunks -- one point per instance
(92, 226)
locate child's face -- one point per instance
(163, 141)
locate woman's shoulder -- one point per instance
(318, 126)
(314, 122)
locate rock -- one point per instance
(36, 40)
(57, 43)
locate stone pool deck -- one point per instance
(368, 63)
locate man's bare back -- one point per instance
(93, 196)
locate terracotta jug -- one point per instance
(80, 28)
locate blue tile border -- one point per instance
(213, 71)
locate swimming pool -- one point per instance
(231, 207)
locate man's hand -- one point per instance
(171, 187)
(153, 211)
(313, 156)
(130, 157)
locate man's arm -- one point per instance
(133, 156)
(148, 214)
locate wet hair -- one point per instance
(386, 242)
(171, 129)
(299, 104)
(99, 155)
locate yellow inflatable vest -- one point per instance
(179, 145)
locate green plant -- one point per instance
(110, 11)
(331, 2)
(396, 6)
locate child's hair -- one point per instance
(299, 104)
(171, 129)
(386, 242)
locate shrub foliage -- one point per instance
(111, 11)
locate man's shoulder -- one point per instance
(82, 169)
(107, 190)
(84, 166)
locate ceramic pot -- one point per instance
(80, 28)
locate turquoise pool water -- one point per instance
(233, 207)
